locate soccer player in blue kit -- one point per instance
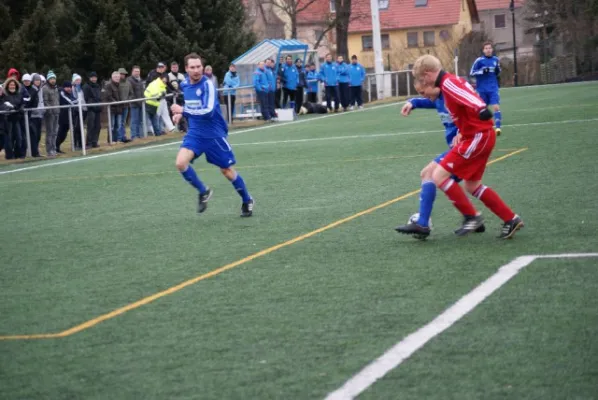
(431, 99)
(206, 135)
(486, 70)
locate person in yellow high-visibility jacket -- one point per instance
(157, 107)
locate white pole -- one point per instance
(27, 134)
(82, 130)
(457, 65)
(378, 62)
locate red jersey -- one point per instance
(464, 104)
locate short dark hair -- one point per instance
(174, 63)
(486, 43)
(192, 56)
(289, 57)
(136, 66)
(353, 57)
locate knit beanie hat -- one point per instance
(75, 77)
(26, 77)
(36, 77)
(51, 75)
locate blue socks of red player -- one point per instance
(458, 197)
(191, 177)
(497, 119)
(493, 201)
(240, 187)
(426, 202)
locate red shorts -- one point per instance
(468, 159)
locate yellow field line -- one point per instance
(217, 271)
(128, 175)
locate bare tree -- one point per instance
(343, 19)
(291, 8)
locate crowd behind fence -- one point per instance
(388, 85)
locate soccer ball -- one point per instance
(413, 220)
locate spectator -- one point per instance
(260, 83)
(36, 102)
(112, 95)
(272, 82)
(137, 89)
(342, 70)
(13, 101)
(80, 96)
(329, 76)
(51, 98)
(300, 85)
(3, 109)
(210, 75)
(155, 73)
(93, 95)
(278, 94)
(126, 93)
(67, 98)
(231, 82)
(290, 77)
(155, 89)
(174, 74)
(312, 84)
(357, 75)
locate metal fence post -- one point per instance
(109, 126)
(71, 130)
(144, 118)
(229, 112)
(82, 129)
(27, 134)
(397, 80)
(252, 106)
(369, 89)
(408, 85)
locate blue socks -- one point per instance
(191, 177)
(426, 202)
(240, 187)
(497, 119)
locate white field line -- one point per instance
(378, 135)
(259, 128)
(394, 356)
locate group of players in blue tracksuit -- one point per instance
(343, 84)
(485, 70)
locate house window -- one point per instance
(445, 35)
(332, 6)
(500, 21)
(412, 39)
(367, 42)
(429, 38)
(383, 4)
(421, 3)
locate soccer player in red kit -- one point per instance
(468, 157)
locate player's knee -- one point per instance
(471, 186)
(426, 173)
(496, 107)
(439, 175)
(181, 165)
(229, 173)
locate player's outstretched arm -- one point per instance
(477, 68)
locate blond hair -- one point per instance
(426, 63)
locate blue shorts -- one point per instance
(439, 158)
(490, 98)
(218, 152)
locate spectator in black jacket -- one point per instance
(92, 93)
(155, 73)
(137, 88)
(64, 120)
(35, 116)
(301, 84)
(13, 101)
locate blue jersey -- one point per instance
(357, 74)
(290, 77)
(271, 79)
(328, 74)
(202, 110)
(486, 71)
(450, 129)
(342, 70)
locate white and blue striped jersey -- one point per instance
(202, 110)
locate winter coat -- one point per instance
(33, 99)
(13, 101)
(152, 76)
(78, 93)
(137, 89)
(126, 91)
(92, 94)
(51, 96)
(67, 99)
(155, 89)
(112, 94)
(39, 112)
(232, 81)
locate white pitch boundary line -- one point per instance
(73, 160)
(394, 356)
(378, 135)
